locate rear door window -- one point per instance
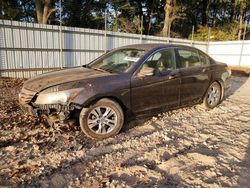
(204, 59)
(188, 58)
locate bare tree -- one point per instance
(242, 5)
(44, 10)
(171, 10)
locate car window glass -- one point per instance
(156, 56)
(162, 62)
(204, 59)
(118, 61)
(117, 57)
(188, 58)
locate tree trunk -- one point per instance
(233, 10)
(150, 15)
(215, 17)
(169, 8)
(149, 24)
(39, 11)
(241, 26)
(76, 13)
(139, 7)
(46, 11)
(205, 11)
(43, 11)
(241, 20)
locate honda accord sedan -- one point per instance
(129, 80)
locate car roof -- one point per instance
(152, 46)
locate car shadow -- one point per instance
(236, 83)
(244, 174)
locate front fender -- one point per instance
(122, 97)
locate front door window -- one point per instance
(162, 62)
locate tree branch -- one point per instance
(50, 12)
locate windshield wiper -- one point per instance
(86, 66)
(98, 69)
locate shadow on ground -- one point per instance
(133, 150)
(236, 83)
(244, 175)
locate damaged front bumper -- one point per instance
(59, 112)
(26, 98)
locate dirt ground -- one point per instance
(189, 147)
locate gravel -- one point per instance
(180, 148)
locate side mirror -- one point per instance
(146, 71)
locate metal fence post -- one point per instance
(105, 32)
(192, 37)
(5, 46)
(141, 29)
(242, 45)
(208, 39)
(169, 30)
(60, 33)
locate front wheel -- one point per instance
(213, 96)
(102, 120)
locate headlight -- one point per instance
(57, 97)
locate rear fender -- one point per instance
(221, 85)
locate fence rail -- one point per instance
(27, 49)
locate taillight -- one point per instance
(228, 70)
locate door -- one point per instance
(194, 70)
(161, 88)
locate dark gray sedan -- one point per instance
(130, 80)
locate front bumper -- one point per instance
(29, 109)
(55, 113)
(26, 98)
(38, 110)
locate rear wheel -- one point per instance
(102, 120)
(213, 96)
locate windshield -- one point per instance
(118, 61)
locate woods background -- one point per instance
(171, 18)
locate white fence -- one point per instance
(28, 49)
(235, 53)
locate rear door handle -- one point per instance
(204, 70)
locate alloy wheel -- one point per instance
(214, 94)
(102, 120)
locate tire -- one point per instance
(213, 96)
(102, 120)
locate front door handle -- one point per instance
(170, 77)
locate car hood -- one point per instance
(46, 80)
